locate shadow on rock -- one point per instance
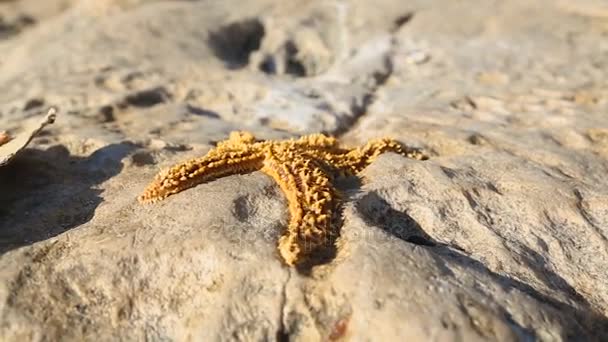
(233, 43)
(376, 212)
(44, 193)
(578, 318)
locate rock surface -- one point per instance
(501, 235)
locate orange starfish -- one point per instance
(303, 168)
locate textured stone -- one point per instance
(501, 235)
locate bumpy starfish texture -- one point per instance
(304, 169)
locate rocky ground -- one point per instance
(501, 235)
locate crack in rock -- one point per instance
(282, 334)
(360, 106)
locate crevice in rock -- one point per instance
(585, 215)
(292, 66)
(233, 43)
(242, 209)
(202, 112)
(106, 114)
(282, 335)
(33, 103)
(359, 107)
(402, 20)
(9, 29)
(146, 98)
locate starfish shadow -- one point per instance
(583, 319)
(375, 211)
(47, 192)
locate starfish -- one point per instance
(304, 168)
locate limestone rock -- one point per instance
(501, 235)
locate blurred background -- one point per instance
(167, 68)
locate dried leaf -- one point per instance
(11, 146)
(4, 138)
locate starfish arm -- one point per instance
(316, 142)
(217, 163)
(236, 139)
(311, 141)
(311, 199)
(355, 160)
